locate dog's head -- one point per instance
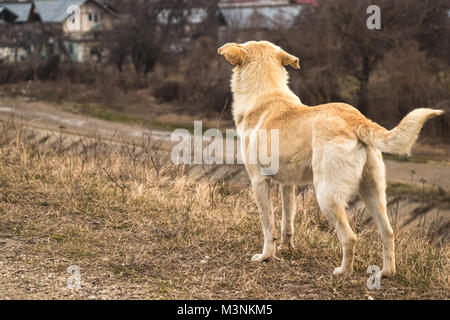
(263, 52)
(258, 58)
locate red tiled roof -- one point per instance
(311, 2)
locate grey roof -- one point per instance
(6, 10)
(261, 16)
(56, 10)
(21, 10)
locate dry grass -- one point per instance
(137, 231)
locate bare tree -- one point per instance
(335, 38)
(148, 28)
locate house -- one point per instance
(257, 16)
(76, 17)
(230, 16)
(76, 20)
(16, 18)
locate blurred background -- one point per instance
(158, 60)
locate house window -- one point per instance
(95, 18)
(90, 16)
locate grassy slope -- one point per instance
(139, 230)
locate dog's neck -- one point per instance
(247, 86)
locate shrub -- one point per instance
(168, 91)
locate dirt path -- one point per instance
(45, 116)
(435, 174)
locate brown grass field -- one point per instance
(140, 228)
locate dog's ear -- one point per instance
(233, 52)
(289, 60)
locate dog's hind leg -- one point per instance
(373, 192)
(336, 215)
(261, 189)
(287, 221)
(337, 169)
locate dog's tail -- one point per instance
(400, 139)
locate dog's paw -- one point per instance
(261, 258)
(386, 273)
(339, 271)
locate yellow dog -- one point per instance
(332, 145)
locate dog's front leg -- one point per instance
(261, 189)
